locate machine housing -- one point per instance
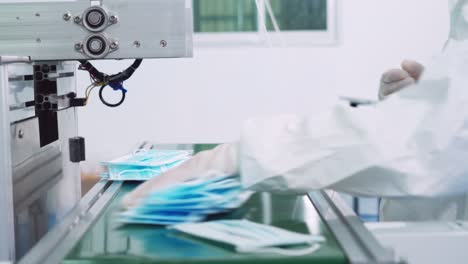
(40, 151)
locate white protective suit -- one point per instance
(414, 144)
(411, 148)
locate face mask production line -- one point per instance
(39, 171)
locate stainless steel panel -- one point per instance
(145, 29)
(34, 178)
(36, 171)
(29, 225)
(44, 185)
(7, 237)
(24, 140)
(68, 190)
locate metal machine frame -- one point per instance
(7, 248)
(39, 153)
(40, 183)
(84, 29)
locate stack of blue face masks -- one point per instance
(191, 201)
(250, 237)
(143, 165)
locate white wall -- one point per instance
(205, 99)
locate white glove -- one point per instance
(223, 158)
(394, 80)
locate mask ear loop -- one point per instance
(288, 252)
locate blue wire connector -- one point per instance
(118, 86)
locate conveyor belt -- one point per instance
(109, 242)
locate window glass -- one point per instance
(225, 16)
(297, 15)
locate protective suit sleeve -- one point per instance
(413, 144)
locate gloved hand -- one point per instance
(394, 80)
(223, 158)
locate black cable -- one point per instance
(115, 81)
(125, 75)
(101, 96)
(87, 66)
(116, 78)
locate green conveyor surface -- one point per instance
(107, 241)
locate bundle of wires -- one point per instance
(115, 81)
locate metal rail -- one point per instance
(54, 247)
(359, 245)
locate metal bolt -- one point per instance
(17, 18)
(114, 45)
(137, 44)
(20, 133)
(38, 15)
(77, 19)
(78, 46)
(113, 19)
(163, 43)
(67, 16)
(38, 40)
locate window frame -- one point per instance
(284, 38)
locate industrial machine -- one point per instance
(40, 45)
(44, 219)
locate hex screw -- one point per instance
(113, 19)
(77, 19)
(163, 43)
(137, 44)
(67, 16)
(20, 133)
(114, 45)
(78, 46)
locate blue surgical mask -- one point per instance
(250, 237)
(145, 164)
(163, 218)
(151, 157)
(191, 201)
